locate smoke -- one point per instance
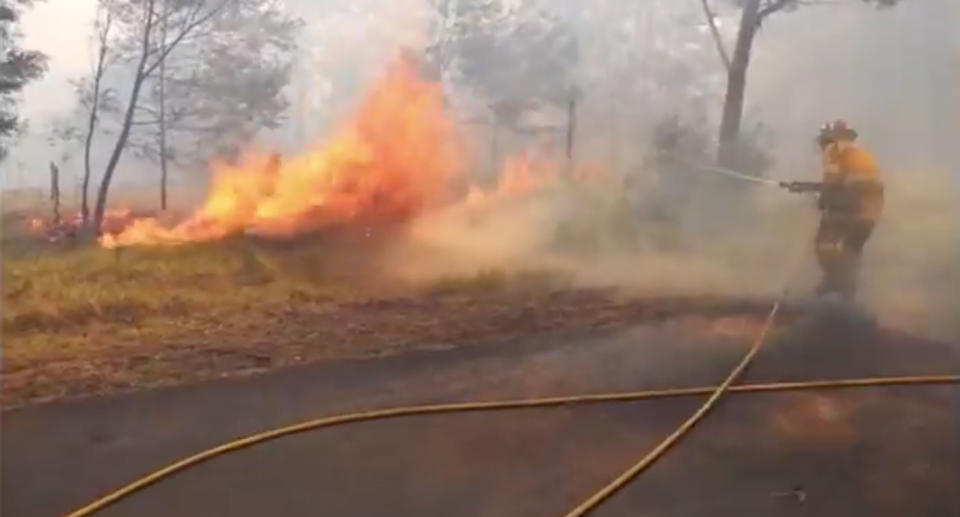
(597, 234)
(890, 72)
(893, 74)
(654, 227)
(603, 234)
(650, 227)
(911, 270)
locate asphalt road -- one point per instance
(870, 452)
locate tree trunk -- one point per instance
(614, 135)
(127, 121)
(88, 142)
(104, 35)
(163, 154)
(84, 207)
(55, 192)
(494, 146)
(737, 83)
(717, 40)
(163, 117)
(571, 134)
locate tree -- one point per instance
(715, 34)
(207, 71)
(514, 56)
(17, 68)
(93, 102)
(94, 99)
(219, 89)
(752, 16)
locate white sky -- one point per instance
(60, 29)
(351, 37)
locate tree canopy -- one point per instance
(18, 67)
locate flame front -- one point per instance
(394, 159)
(520, 175)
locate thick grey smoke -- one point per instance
(892, 73)
(650, 225)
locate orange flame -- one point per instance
(523, 175)
(520, 176)
(394, 159)
(114, 220)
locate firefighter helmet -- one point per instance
(836, 131)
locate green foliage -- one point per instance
(224, 85)
(17, 68)
(515, 56)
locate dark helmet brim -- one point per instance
(845, 134)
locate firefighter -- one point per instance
(850, 200)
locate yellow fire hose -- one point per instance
(623, 479)
(598, 497)
(591, 503)
(380, 414)
(715, 392)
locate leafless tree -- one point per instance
(103, 24)
(752, 16)
(145, 19)
(203, 76)
(715, 33)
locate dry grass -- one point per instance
(88, 321)
(54, 290)
(85, 320)
(58, 290)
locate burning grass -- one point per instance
(311, 256)
(88, 320)
(397, 156)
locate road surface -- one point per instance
(870, 452)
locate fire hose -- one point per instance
(397, 412)
(591, 503)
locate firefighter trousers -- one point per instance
(839, 243)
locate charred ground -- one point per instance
(873, 451)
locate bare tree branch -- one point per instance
(145, 122)
(190, 24)
(147, 109)
(103, 62)
(122, 138)
(773, 6)
(721, 48)
(817, 2)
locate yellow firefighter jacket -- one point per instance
(852, 181)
